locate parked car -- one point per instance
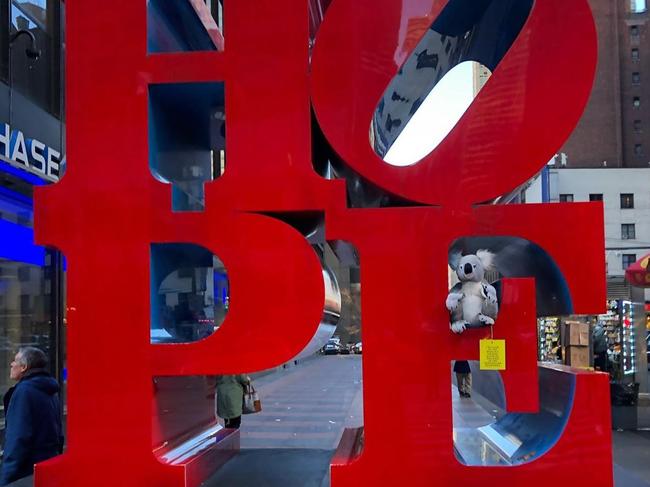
(346, 350)
(331, 349)
(357, 348)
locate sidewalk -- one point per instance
(630, 449)
(274, 468)
(304, 461)
(307, 468)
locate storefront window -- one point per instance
(36, 9)
(29, 292)
(618, 326)
(15, 208)
(31, 289)
(29, 75)
(24, 312)
(4, 40)
(35, 76)
(549, 345)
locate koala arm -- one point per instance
(458, 326)
(454, 297)
(490, 304)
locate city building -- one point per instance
(614, 134)
(32, 153)
(626, 199)
(615, 129)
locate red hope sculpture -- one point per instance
(108, 210)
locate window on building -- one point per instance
(627, 200)
(637, 126)
(37, 78)
(36, 9)
(636, 102)
(628, 260)
(4, 42)
(628, 231)
(638, 149)
(566, 198)
(27, 314)
(634, 31)
(596, 197)
(638, 6)
(635, 55)
(636, 78)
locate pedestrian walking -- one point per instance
(600, 347)
(463, 378)
(230, 397)
(33, 431)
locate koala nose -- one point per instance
(467, 268)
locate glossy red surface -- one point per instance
(527, 110)
(410, 429)
(108, 210)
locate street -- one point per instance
(304, 411)
(306, 406)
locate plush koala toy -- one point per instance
(472, 302)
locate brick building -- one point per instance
(615, 129)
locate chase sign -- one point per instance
(30, 155)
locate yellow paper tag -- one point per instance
(493, 355)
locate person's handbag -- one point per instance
(252, 403)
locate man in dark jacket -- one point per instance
(33, 431)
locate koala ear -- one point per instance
(454, 259)
(487, 258)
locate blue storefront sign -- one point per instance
(33, 160)
(36, 163)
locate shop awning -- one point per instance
(638, 274)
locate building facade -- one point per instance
(626, 199)
(614, 133)
(615, 129)
(32, 153)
